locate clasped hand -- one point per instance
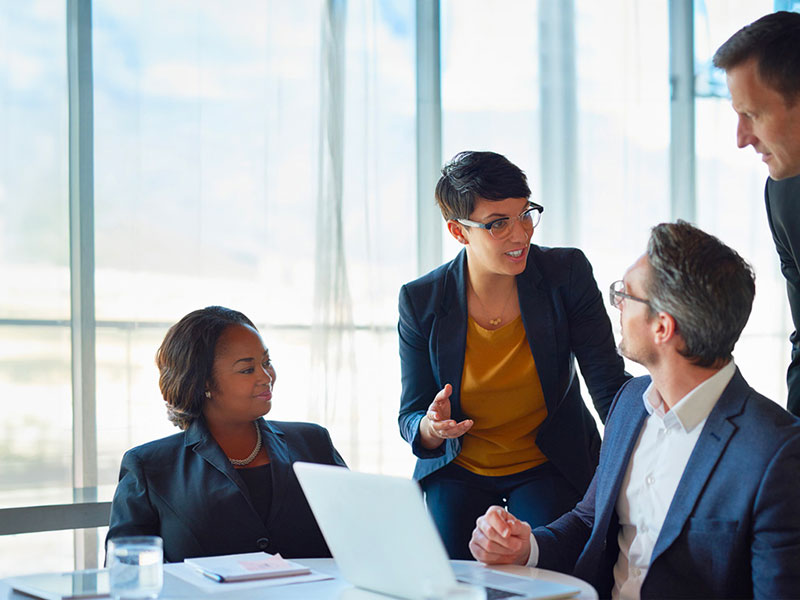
(499, 538)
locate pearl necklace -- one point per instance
(243, 462)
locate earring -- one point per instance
(208, 394)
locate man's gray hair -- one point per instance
(704, 285)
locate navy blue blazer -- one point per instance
(564, 318)
(184, 489)
(732, 529)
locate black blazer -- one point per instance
(184, 489)
(782, 198)
(564, 318)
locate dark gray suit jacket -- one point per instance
(564, 318)
(783, 213)
(184, 489)
(732, 529)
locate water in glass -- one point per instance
(136, 570)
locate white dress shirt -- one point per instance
(657, 463)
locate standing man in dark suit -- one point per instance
(762, 63)
(697, 490)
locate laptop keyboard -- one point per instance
(494, 593)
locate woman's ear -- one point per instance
(456, 229)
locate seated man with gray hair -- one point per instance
(697, 490)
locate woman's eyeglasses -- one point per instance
(501, 228)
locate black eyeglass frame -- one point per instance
(532, 207)
(616, 296)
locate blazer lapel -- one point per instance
(450, 330)
(205, 446)
(622, 433)
(280, 463)
(539, 322)
(710, 445)
(618, 445)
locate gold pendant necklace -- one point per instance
(499, 318)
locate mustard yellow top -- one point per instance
(502, 394)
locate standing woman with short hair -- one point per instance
(225, 485)
(491, 402)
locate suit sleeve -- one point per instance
(776, 526)
(332, 455)
(792, 276)
(591, 338)
(131, 510)
(419, 385)
(562, 541)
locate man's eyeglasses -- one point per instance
(616, 294)
(501, 228)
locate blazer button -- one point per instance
(262, 543)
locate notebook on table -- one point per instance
(383, 539)
(246, 567)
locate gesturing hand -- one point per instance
(437, 426)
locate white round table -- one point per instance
(335, 588)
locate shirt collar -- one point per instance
(695, 406)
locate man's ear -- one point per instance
(456, 229)
(664, 328)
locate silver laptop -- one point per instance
(384, 540)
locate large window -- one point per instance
(35, 372)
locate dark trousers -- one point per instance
(456, 497)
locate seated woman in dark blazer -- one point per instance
(225, 485)
(491, 403)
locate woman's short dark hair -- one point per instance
(774, 42)
(472, 175)
(704, 285)
(185, 360)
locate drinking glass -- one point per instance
(135, 567)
